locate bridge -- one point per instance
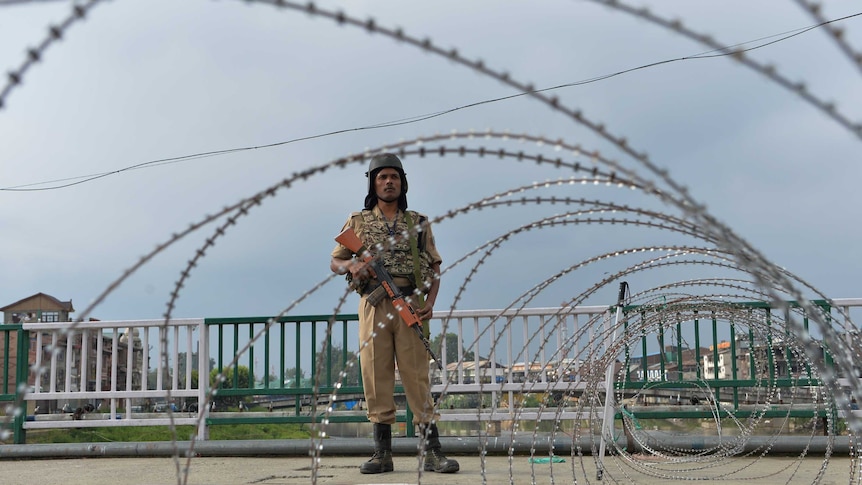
(691, 360)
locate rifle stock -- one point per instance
(351, 241)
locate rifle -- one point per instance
(350, 240)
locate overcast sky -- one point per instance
(139, 81)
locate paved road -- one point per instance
(343, 470)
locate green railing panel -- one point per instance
(761, 347)
(15, 344)
(741, 414)
(5, 394)
(288, 420)
(21, 378)
(716, 383)
(306, 351)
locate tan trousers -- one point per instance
(385, 339)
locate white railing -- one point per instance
(69, 362)
(532, 350)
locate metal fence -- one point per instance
(111, 370)
(14, 372)
(537, 364)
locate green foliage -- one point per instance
(451, 348)
(243, 378)
(130, 434)
(290, 378)
(532, 400)
(290, 373)
(259, 432)
(243, 381)
(465, 401)
(336, 364)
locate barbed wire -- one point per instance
(699, 242)
(835, 32)
(718, 51)
(34, 54)
(738, 54)
(593, 174)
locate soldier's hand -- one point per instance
(425, 312)
(360, 270)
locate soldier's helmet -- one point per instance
(377, 163)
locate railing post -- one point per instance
(607, 433)
(21, 374)
(409, 429)
(203, 380)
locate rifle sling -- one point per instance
(417, 271)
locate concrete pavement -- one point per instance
(343, 470)
(281, 462)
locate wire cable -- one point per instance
(730, 50)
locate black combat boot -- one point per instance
(435, 460)
(381, 460)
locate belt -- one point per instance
(374, 294)
(403, 284)
(373, 285)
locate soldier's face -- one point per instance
(387, 184)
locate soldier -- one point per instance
(384, 338)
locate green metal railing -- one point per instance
(15, 342)
(719, 322)
(726, 389)
(301, 330)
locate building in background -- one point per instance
(36, 308)
(88, 352)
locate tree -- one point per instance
(451, 348)
(290, 376)
(336, 364)
(243, 376)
